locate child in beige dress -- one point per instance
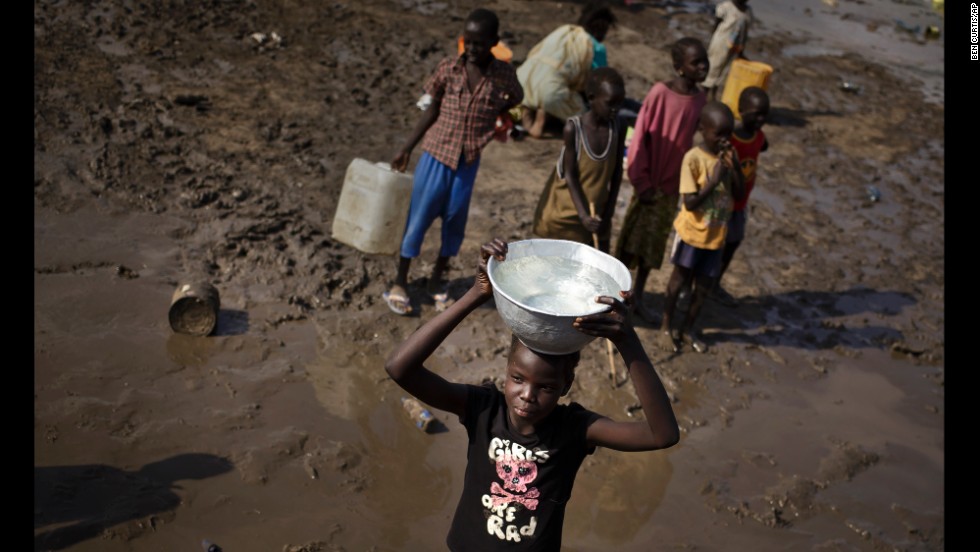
(579, 199)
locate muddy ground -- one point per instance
(171, 145)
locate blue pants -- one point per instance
(438, 191)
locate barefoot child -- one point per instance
(748, 141)
(468, 93)
(711, 179)
(524, 448)
(664, 131)
(579, 198)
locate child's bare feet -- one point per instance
(670, 341)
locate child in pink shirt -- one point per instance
(664, 132)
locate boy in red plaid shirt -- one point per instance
(467, 93)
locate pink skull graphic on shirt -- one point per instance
(516, 473)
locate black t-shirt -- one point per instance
(516, 486)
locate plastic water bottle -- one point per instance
(873, 194)
(419, 415)
(848, 86)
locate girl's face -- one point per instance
(477, 43)
(694, 64)
(533, 385)
(716, 135)
(607, 103)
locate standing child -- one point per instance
(732, 21)
(748, 141)
(467, 93)
(711, 179)
(664, 131)
(524, 449)
(579, 199)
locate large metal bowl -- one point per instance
(549, 330)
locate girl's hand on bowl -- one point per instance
(613, 324)
(496, 248)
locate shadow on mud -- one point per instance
(77, 503)
(780, 116)
(807, 319)
(231, 322)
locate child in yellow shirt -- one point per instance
(711, 180)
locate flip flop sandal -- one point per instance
(398, 303)
(442, 301)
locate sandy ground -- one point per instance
(171, 146)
